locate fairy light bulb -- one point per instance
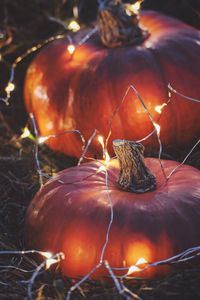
(26, 133)
(51, 259)
(159, 108)
(9, 88)
(135, 268)
(46, 254)
(135, 7)
(74, 26)
(42, 139)
(71, 48)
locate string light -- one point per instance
(87, 146)
(54, 259)
(141, 261)
(157, 129)
(11, 86)
(136, 268)
(178, 93)
(71, 47)
(184, 159)
(36, 148)
(51, 259)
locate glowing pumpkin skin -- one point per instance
(81, 91)
(74, 218)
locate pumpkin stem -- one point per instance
(118, 25)
(134, 176)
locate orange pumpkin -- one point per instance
(155, 222)
(82, 90)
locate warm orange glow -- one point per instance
(140, 249)
(71, 48)
(160, 107)
(140, 252)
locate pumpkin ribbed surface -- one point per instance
(74, 217)
(81, 91)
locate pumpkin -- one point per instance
(82, 90)
(153, 219)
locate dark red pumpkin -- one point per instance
(81, 91)
(155, 225)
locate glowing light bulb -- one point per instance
(157, 127)
(52, 260)
(71, 48)
(134, 8)
(46, 254)
(101, 169)
(10, 87)
(74, 26)
(41, 139)
(26, 133)
(135, 268)
(160, 107)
